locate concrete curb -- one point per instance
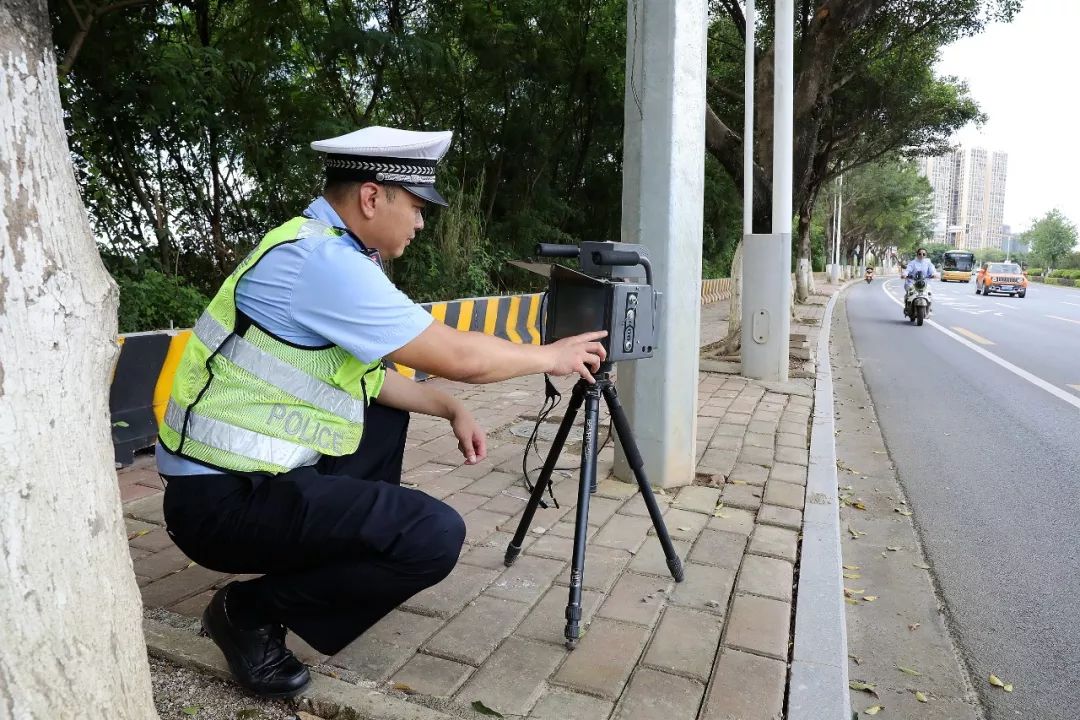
(327, 697)
(818, 686)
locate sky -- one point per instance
(1025, 76)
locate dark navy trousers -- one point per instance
(339, 544)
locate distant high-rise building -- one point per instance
(969, 197)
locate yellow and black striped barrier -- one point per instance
(142, 380)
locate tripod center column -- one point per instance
(662, 205)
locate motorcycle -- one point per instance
(917, 300)
(869, 277)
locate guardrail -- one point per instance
(143, 376)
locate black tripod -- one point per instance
(589, 393)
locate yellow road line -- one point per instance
(1065, 319)
(972, 336)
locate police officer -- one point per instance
(282, 443)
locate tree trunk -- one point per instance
(803, 270)
(72, 636)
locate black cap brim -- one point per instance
(427, 192)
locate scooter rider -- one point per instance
(921, 263)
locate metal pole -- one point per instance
(784, 117)
(748, 121)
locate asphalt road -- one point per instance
(989, 458)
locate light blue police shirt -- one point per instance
(322, 291)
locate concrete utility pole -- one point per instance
(662, 206)
(834, 271)
(766, 321)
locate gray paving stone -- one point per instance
(547, 620)
(774, 541)
(732, 519)
(682, 524)
(697, 498)
(759, 625)
(749, 474)
(526, 580)
(636, 505)
(559, 704)
(738, 414)
(604, 659)
(477, 630)
(147, 509)
(601, 509)
(726, 442)
(505, 504)
(449, 596)
(162, 563)
(792, 440)
(763, 427)
(787, 472)
(433, 676)
(492, 483)
(722, 549)
(650, 559)
(704, 588)
(388, 645)
(465, 502)
(719, 462)
(785, 494)
(756, 456)
(791, 456)
(489, 554)
(741, 495)
(173, 588)
(780, 516)
(653, 695)
(615, 489)
(766, 576)
(602, 567)
(480, 524)
(745, 687)
(623, 532)
(798, 429)
(764, 440)
(513, 678)
(685, 643)
(728, 429)
(154, 541)
(435, 479)
(636, 599)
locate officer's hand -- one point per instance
(578, 354)
(471, 439)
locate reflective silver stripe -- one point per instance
(310, 228)
(281, 374)
(210, 332)
(239, 441)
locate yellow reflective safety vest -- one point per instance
(245, 401)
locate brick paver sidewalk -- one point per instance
(714, 646)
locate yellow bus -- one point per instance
(957, 265)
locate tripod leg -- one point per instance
(633, 457)
(586, 483)
(576, 398)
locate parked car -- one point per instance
(1001, 277)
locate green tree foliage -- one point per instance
(864, 89)
(156, 301)
(1052, 238)
(189, 122)
(885, 204)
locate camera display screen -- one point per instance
(580, 309)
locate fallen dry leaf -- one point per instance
(874, 709)
(905, 513)
(893, 548)
(997, 682)
(864, 686)
(851, 567)
(920, 696)
(870, 598)
(921, 566)
(914, 626)
(908, 671)
(852, 576)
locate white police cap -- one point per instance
(389, 156)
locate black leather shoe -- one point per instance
(258, 658)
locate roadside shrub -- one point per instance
(1069, 274)
(1032, 271)
(155, 301)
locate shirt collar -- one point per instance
(320, 209)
